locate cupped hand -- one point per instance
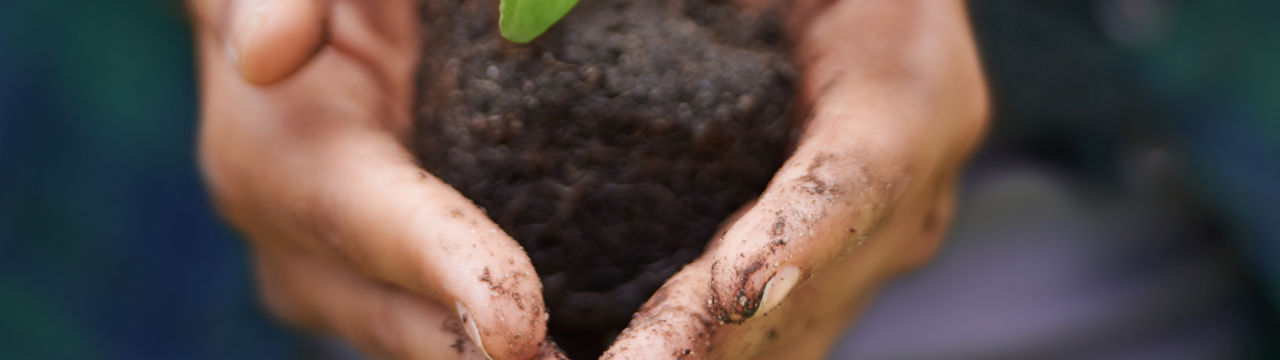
(897, 101)
(305, 114)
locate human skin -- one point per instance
(305, 119)
(897, 103)
(348, 234)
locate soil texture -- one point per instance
(612, 147)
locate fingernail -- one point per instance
(249, 19)
(233, 55)
(469, 325)
(777, 288)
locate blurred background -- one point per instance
(1124, 206)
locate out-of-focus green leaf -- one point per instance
(523, 20)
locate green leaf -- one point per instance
(523, 20)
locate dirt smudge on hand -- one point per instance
(461, 343)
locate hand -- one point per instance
(305, 112)
(897, 102)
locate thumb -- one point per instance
(272, 39)
(394, 222)
(818, 207)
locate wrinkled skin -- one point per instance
(304, 123)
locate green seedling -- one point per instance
(523, 20)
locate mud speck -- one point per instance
(487, 278)
(461, 342)
(779, 226)
(811, 182)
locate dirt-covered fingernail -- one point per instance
(777, 288)
(469, 325)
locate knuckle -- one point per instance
(977, 120)
(919, 253)
(316, 216)
(934, 223)
(980, 112)
(280, 300)
(219, 180)
(853, 188)
(384, 331)
(229, 189)
(976, 111)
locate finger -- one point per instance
(673, 324)
(766, 258)
(879, 129)
(876, 149)
(376, 318)
(375, 208)
(818, 207)
(272, 39)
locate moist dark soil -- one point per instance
(612, 147)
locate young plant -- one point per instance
(523, 20)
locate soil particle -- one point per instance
(487, 279)
(812, 183)
(458, 345)
(779, 226)
(610, 148)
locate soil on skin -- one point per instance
(612, 147)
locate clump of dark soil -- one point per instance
(612, 147)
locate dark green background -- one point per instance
(108, 247)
